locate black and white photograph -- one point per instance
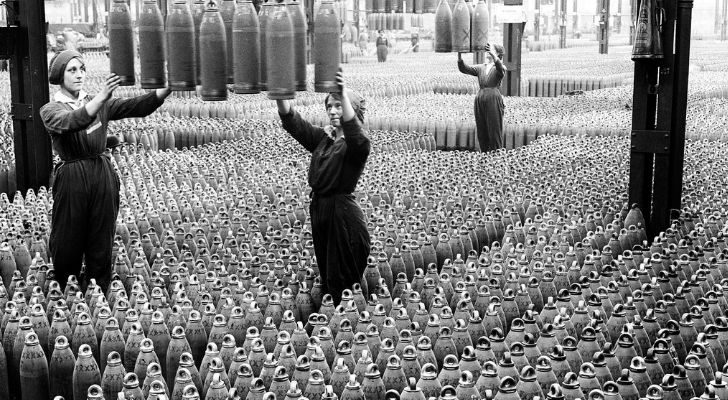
(363, 199)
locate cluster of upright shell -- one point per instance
(214, 45)
(462, 28)
(180, 133)
(487, 280)
(395, 6)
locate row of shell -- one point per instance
(406, 6)
(233, 44)
(462, 28)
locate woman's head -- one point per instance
(68, 70)
(334, 107)
(499, 50)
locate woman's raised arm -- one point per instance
(466, 69)
(303, 131)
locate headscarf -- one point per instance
(500, 51)
(58, 63)
(358, 103)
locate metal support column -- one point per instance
(665, 96)
(512, 35)
(29, 92)
(603, 29)
(537, 21)
(356, 20)
(618, 19)
(107, 9)
(717, 16)
(562, 25)
(658, 122)
(95, 15)
(633, 16)
(576, 18)
(724, 24)
(681, 67)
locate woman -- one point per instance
(364, 41)
(86, 187)
(382, 47)
(339, 154)
(488, 102)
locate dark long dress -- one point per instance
(340, 236)
(86, 187)
(488, 103)
(382, 49)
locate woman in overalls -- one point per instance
(86, 187)
(339, 152)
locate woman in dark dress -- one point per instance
(382, 47)
(488, 102)
(86, 187)
(339, 153)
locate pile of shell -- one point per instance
(407, 105)
(510, 274)
(164, 133)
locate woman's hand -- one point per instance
(112, 82)
(163, 93)
(340, 80)
(347, 112)
(491, 50)
(284, 107)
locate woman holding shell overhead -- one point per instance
(339, 153)
(86, 187)
(489, 105)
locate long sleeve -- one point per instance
(59, 120)
(500, 67)
(358, 145)
(306, 134)
(136, 107)
(466, 69)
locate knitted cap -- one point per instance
(58, 63)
